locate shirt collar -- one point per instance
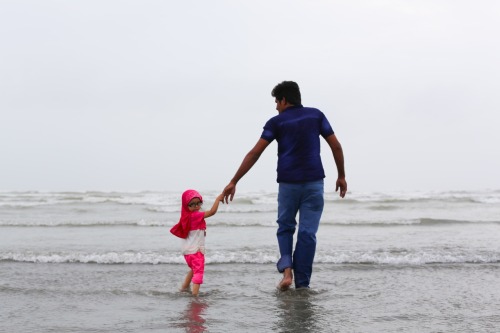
(291, 107)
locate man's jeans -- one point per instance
(307, 199)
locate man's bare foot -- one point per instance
(287, 280)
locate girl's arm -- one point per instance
(215, 206)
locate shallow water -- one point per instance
(243, 298)
(105, 262)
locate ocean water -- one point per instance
(385, 262)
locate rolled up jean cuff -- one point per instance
(284, 262)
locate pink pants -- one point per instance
(197, 264)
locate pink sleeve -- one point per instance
(198, 221)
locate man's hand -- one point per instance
(342, 184)
(228, 192)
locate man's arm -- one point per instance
(338, 156)
(251, 157)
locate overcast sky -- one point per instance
(168, 95)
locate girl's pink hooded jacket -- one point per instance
(182, 228)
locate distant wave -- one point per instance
(429, 221)
(34, 199)
(261, 257)
(384, 198)
(162, 209)
(168, 199)
(241, 223)
(141, 223)
(85, 224)
(412, 222)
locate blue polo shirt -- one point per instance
(297, 130)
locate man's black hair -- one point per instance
(288, 89)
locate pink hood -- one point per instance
(181, 229)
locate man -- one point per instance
(300, 177)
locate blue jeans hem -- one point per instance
(284, 263)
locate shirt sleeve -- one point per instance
(326, 129)
(268, 133)
(198, 221)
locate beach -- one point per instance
(385, 262)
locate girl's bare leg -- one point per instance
(187, 281)
(196, 289)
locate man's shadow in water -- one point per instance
(297, 312)
(192, 317)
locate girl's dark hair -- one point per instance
(288, 89)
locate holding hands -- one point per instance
(228, 192)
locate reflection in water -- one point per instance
(297, 313)
(192, 317)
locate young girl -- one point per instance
(192, 228)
